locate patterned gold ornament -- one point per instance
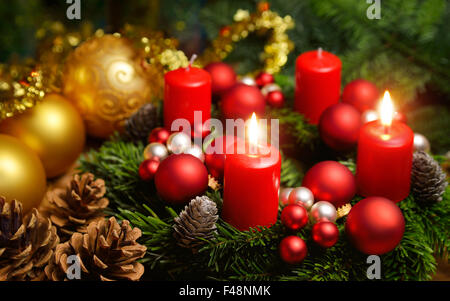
(22, 176)
(105, 80)
(53, 129)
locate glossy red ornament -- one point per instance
(330, 181)
(159, 135)
(148, 168)
(222, 75)
(294, 217)
(339, 126)
(375, 225)
(215, 155)
(399, 116)
(241, 101)
(325, 234)
(361, 94)
(264, 78)
(275, 99)
(180, 178)
(293, 249)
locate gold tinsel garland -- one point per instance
(21, 88)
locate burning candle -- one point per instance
(251, 182)
(318, 83)
(186, 90)
(385, 151)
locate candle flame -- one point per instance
(386, 110)
(253, 130)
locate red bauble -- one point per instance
(264, 78)
(325, 234)
(375, 225)
(241, 101)
(293, 249)
(339, 126)
(361, 94)
(222, 75)
(200, 130)
(400, 117)
(180, 178)
(215, 155)
(330, 181)
(159, 135)
(294, 217)
(148, 168)
(275, 99)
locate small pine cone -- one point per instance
(197, 220)
(107, 252)
(139, 125)
(82, 202)
(26, 243)
(428, 181)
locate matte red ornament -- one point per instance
(148, 168)
(325, 234)
(159, 135)
(330, 181)
(293, 249)
(241, 101)
(222, 75)
(375, 225)
(180, 178)
(294, 217)
(275, 99)
(264, 78)
(361, 94)
(339, 126)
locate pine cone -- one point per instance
(428, 181)
(82, 202)
(139, 125)
(108, 251)
(26, 243)
(197, 220)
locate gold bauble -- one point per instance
(105, 80)
(22, 176)
(53, 129)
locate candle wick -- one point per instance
(319, 52)
(386, 129)
(191, 61)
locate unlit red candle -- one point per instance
(317, 83)
(186, 90)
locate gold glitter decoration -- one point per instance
(264, 21)
(20, 89)
(343, 210)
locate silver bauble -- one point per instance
(284, 196)
(155, 150)
(248, 80)
(421, 143)
(323, 211)
(196, 151)
(269, 88)
(302, 196)
(178, 142)
(368, 116)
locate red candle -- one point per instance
(318, 83)
(251, 185)
(186, 90)
(385, 151)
